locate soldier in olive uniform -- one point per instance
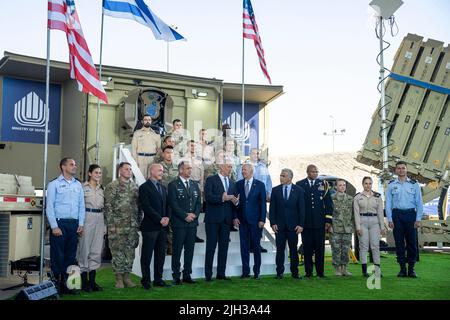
(170, 173)
(122, 217)
(184, 199)
(343, 221)
(145, 145)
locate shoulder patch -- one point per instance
(391, 181)
(376, 194)
(53, 179)
(357, 194)
(412, 181)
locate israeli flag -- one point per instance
(137, 10)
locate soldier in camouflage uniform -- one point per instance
(170, 174)
(122, 217)
(343, 222)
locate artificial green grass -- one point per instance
(433, 284)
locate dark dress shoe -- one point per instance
(189, 280)
(412, 274)
(296, 276)
(308, 275)
(245, 276)
(208, 279)
(198, 240)
(177, 281)
(160, 283)
(263, 250)
(223, 278)
(279, 276)
(257, 277)
(146, 285)
(321, 276)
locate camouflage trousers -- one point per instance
(340, 246)
(122, 252)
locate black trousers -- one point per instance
(183, 238)
(314, 244)
(63, 249)
(154, 241)
(292, 238)
(217, 234)
(404, 231)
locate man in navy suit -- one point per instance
(319, 213)
(153, 201)
(287, 219)
(251, 217)
(221, 201)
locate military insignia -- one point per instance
(321, 188)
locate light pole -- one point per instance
(385, 10)
(167, 58)
(334, 132)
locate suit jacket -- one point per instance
(287, 214)
(252, 209)
(218, 211)
(181, 202)
(318, 203)
(154, 206)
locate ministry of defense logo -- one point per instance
(30, 111)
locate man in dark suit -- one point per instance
(184, 200)
(319, 211)
(287, 219)
(251, 217)
(221, 201)
(153, 201)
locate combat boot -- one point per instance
(402, 273)
(337, 271)
(344, 270)
(92, 283)
(411, 272)
(364, 270)
(127, 280)
(377, 271)
(85, 286)
(119, 281)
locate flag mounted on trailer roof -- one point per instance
(251, 32)
(63, 16)
(138, 11)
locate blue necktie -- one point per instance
(226, 184)
(285, 193)
(159, 189)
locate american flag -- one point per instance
(251, 32)
(63, 16)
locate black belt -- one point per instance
(67, 220)
(146, 154)
(404, 210)
(368, 214)
(93, 210)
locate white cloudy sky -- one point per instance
(323, 53)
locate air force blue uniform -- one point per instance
(318, 211)
(65, 210)
(404, 207)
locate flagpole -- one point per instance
(44, 188)
(97, 134)
(243, 90)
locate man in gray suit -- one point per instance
(184, 200)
